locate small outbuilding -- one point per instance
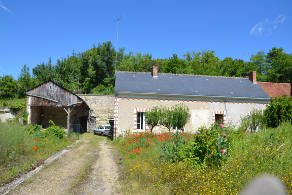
(50, 101)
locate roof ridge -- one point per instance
(162, 73)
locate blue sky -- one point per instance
(31, 31)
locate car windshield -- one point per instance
(107, 127)
(100, 127)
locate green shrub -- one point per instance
(54, 130)
(254, 121)
(278, 111)
(169, 149)
(17, 106)
(209, 147)
(32, 129)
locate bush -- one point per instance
(209, 147)
(254, 121)
(32, 129)
(55, 131)
(278, 111)
(168, 150)
(17, 106)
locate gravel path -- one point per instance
(88, 168)
(103, 175)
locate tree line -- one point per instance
(93, 71)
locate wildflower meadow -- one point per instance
(214, 160)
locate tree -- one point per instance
(153, 117)
(166, 118)
(260, 61)
(181, 115)
(43, 72)
(175, 65)
(8, 87)
(278, 111)
(177, 116)
(25, 81)
(279, 66)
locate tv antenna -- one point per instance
(117, 21)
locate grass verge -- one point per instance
(21, 152)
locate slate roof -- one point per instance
(187, 85)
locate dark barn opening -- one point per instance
(50, 101)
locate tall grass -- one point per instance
(251, 154)
(20, 151)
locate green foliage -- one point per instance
(253, 121)
(176, 116)
(106, 88)
(25, 81)
(209, 147)
(169, 150)
(43, 72)
(23, 147)
(8, 87)
(180, 115)
(166, 118)
(17, 106)
(278, 111)
(14, 104)
(279, 66)
(33, 129)
(250, 155)
(54, 130)
(153, 117)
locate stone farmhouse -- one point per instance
(209, 98)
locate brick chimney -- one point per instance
(154, 71)
(253, 76)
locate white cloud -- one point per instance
(2, 6)
(267, 27)
(278, 21)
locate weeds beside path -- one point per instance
(87, 169)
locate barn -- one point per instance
(50, 101)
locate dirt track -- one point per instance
(89, 168)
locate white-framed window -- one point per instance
(140, 121)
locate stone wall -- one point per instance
(101, 105)
(6, 114)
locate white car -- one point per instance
(102, 130)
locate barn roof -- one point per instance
(54, 93)
(187, 85)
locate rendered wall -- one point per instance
(202, 113)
